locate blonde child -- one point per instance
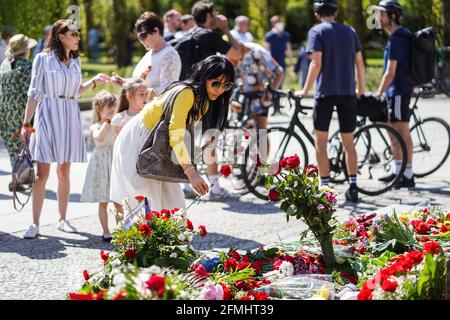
(132, 100)
(97, 183)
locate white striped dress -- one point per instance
(59, 134)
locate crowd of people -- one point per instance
(199, 87)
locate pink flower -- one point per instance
(331, 197)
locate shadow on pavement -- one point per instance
(74, 197)
(46, 247)
(5, 197)
(4, 173)
(222, 241)
(252, 207)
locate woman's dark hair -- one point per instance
(148, 21)
(212, 67)
(61, 27)
(200, 11)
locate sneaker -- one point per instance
(404, 182)
(223, 196)
(388, 178)
(65, 226)
(351, 195)
(32, 232)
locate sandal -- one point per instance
(106, 239)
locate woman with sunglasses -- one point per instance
(161, 65)
(55, 85)
(202, 98)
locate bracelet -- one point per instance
(95, 84)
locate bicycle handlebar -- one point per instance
(290, 94)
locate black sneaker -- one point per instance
(404, 182)
(352, 195)
(388, 178)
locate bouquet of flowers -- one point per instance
(303, 197)
(415, 275)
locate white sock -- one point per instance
(398, 166)
(408, 171)
(215, 188)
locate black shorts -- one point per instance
(399, 108)
(346, 109)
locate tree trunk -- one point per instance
(445, 23)
(326, 244)
(357, 19)
(121, 31)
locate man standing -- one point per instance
(210, 43)
(395, 83)
(172, 24)
(278, 42)
(334, 50)
(240, 31)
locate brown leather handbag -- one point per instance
(155, 158)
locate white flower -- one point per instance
(173, 255)
(154, 270)
(181, 237)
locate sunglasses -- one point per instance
(216, 84)
(142, 35)
(74, 34)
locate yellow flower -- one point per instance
(325, 189)
(404, 218)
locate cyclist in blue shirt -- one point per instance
(395, 85)
(334, 51)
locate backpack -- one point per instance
(423, 57)
(189, 49)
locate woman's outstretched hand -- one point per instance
(198, 184)
(102, 78)
(116, 79)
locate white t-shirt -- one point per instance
(3, 46)
(166, 68)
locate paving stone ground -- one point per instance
(51, 266)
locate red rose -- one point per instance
(365, 293)
(140, 198)
(246, 259)
(130, 253)
(122, 294)
(158, 284)
(234, 254)
(274, 195)
(448, 216)
(230, 264)
(227, 294)
(389, 286)
(202, 230)
(415, 256)
(86, 275)
(242, 265)
(149, 216)
(175, 210)
(225, 170)
(80, 296)
(290, 162)
(145, 229)
(189, 224)
(289, 258)
(311, 169)
(422, 228)
(165, 213)
(104, 256)
(431, 247)
(257, 265)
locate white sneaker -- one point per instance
(32, 232)
(65, 226)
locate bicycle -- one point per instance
(431, 140)
(372, 141)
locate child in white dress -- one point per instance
(97, 183)
(131, 102)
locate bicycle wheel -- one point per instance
(335, 155)
(431, 145)
(375, 157)
(276, 144)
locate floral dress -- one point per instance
(98, 174)
(14, 84)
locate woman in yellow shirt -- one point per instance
(202, 98)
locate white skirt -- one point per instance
(127, 183)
